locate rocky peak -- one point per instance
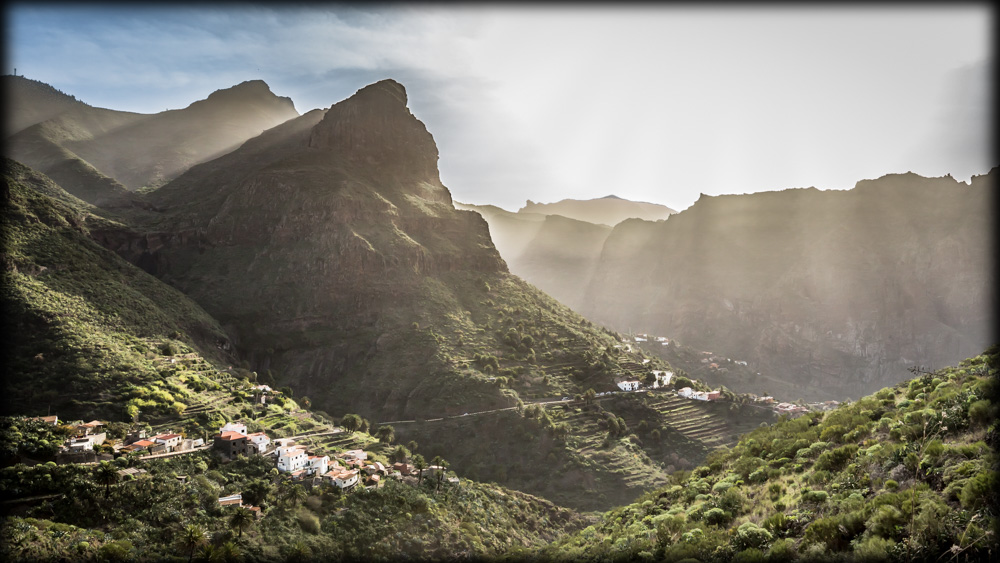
(248, 92)
(374, 128)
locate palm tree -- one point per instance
(229, 552)
(192, 536)
(419, 464)
(106, 475)
(299, 551)
(441, 463)
(242, 518)
(295, 493)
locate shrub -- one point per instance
(886, 522)
(749, 535)
(976, 491)
(715, 516)
(815, 497)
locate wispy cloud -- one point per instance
(653, 103)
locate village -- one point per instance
(347, 470)
(663, 379)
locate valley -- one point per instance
(309, 278)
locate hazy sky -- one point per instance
(652, 103)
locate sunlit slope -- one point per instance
(908, 473)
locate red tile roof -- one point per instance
(231, 435)
(144, 443)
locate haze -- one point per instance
(649, 103)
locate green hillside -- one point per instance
(906, 474)
(84, 327)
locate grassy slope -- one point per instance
(84, 324)
(903, 474)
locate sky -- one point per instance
(657, 103)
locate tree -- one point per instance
(193, 536)
(589, 395)
(243, 518)
(106, 475)
(351, 422)
(256, 491)
(442, 464)
(400, 454)
(295, 494)
(229, 552)
(419, 464)
(411, 445)
(385, 434)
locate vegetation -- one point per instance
(156, 516)
(908, 473)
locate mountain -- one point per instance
(905, 474)
(28, 102)
(551, 252)
(836, 293)
(99, 154)
(84, 327)
(330, 252)
(609, 210)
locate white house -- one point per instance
(343, 479)
(685, 392)
(662, 378)
(628, 384)
(293, 459)
(234, 427)
(260, 440)
(317, 465)
(171, 441)
(354, 454)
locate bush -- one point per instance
(815, 497)
(749, 535)
(716, 517)
(886, 522)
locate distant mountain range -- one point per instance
(608, 210)
(100, 154)
(834, 293)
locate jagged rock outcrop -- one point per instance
(318, 244)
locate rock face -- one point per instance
(318, 244)
(835, 293)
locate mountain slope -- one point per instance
(609, 210)
(98, 154)
(835, 292)
(331, 252)
(83, 325)
(28, 102)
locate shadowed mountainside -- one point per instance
(329, 250)
(834, 292)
